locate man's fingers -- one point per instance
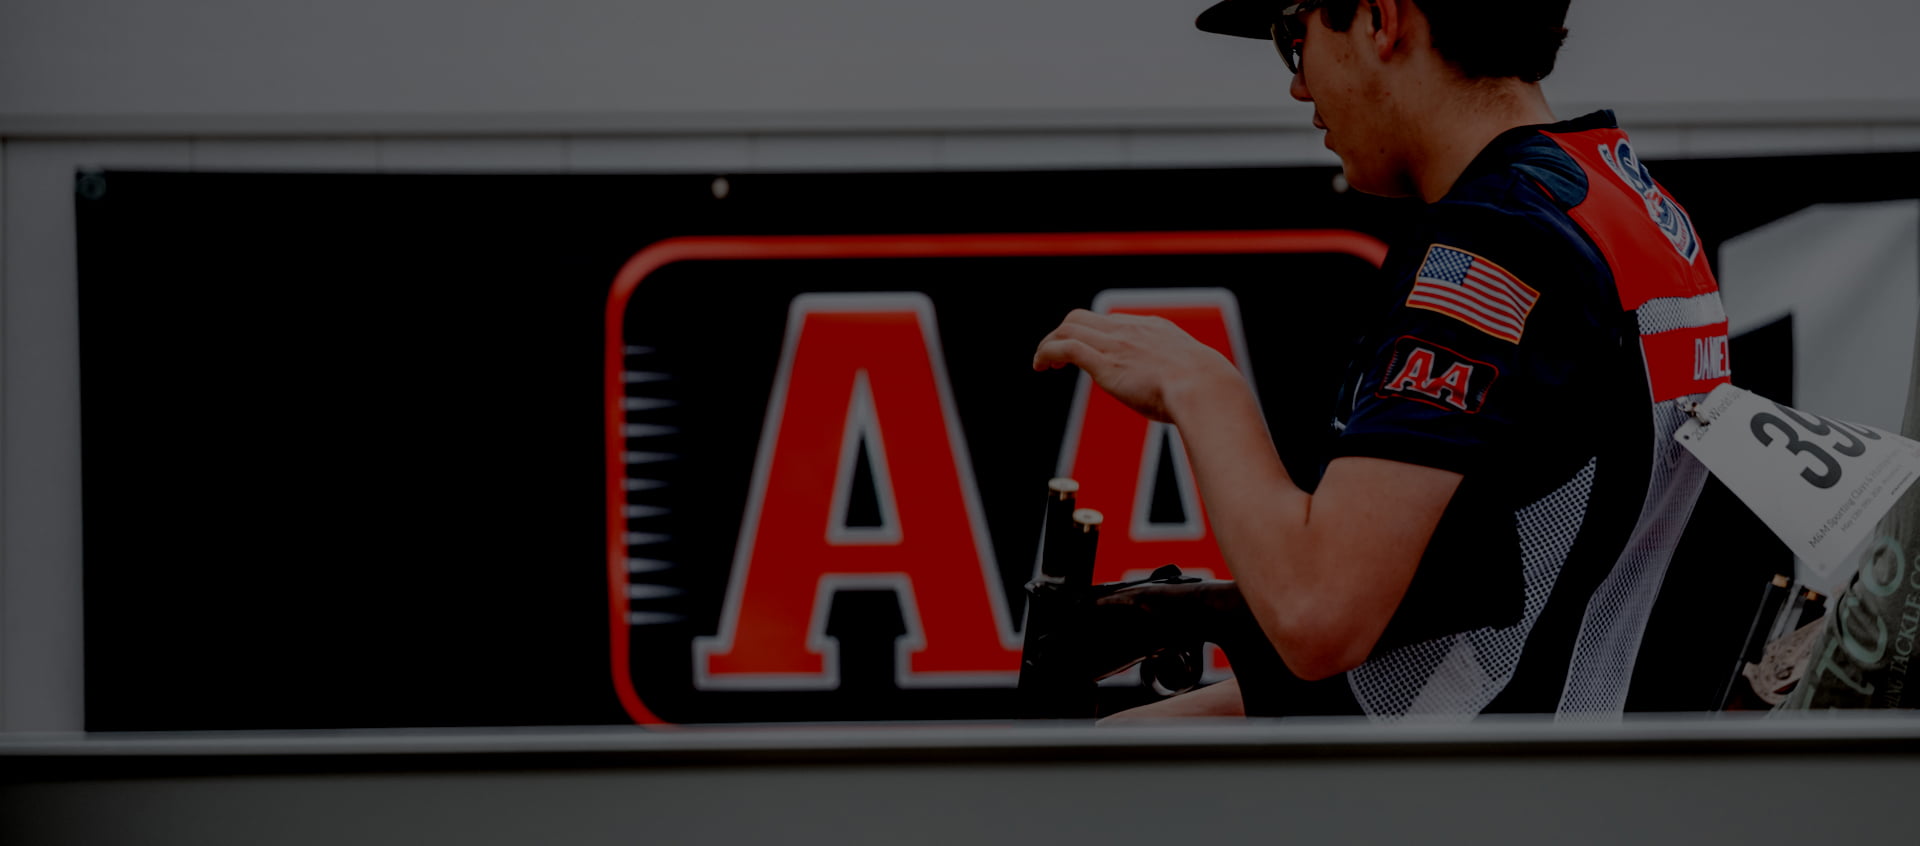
(1056, 352)
(1076, 331)
(1081, 339)
(1094, 320)
(1108, 321)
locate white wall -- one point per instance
(734, 85)
(564, 66)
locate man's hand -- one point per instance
(1141, 361)
(1322, 573)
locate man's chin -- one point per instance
(1355, 179)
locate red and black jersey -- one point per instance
(1541, 334)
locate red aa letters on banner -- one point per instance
(1115, 454)
(861, 371)
(864, 373)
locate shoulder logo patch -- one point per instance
(1426, 372)
(1474, 291)
(1666, 213)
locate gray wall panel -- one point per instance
(4, 233)
(388, 63)
(472, 155)
(254, 154)
(40, 612)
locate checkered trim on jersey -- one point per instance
(1459, 675)
(1666, 314)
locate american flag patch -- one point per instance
(1474, 291)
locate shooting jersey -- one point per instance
(1545, 327)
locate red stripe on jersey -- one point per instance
(1647, 261)
(1685, 362)
(1616, 216)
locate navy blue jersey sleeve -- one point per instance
(1498, 329)
(1493, 322)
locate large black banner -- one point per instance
(514, 450)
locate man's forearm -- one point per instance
(1322, 573)
(1259, 516)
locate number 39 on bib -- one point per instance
(1820, 484)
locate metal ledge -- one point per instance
(1879, 734)
(1280, 115)
(1815, 778)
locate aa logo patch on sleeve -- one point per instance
(1426, 372)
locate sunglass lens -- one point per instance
(1286, 45)
(1290, 41)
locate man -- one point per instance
(1505, 494)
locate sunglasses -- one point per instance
(1290, 33)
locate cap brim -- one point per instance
(1245, 18)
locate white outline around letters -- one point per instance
(817, 640)
(1105, 302)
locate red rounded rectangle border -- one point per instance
(722, 248)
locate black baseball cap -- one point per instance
(1245, 18)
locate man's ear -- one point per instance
(1389, 25)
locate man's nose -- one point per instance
(1299, 88)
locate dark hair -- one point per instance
(1485, 38)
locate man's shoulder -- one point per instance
(1533, 182)
(1524, 172)
(1514, 211)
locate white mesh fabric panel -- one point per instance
(1460, 674)
(1669, 313)
(1616, 617)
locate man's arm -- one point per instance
(1322, 573)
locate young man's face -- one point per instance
(1345, 84)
